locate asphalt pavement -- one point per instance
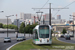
(69, 41)
(4, 46)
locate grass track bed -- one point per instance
(27, 45)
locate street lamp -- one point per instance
(7, 23)
(1, 11)
(24, 28)
(17, 28)
(73, 23)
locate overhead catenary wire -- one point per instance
(64, 7)
(44, 5)
(40, 9)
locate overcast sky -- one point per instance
(13, 7)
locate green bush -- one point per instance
(64, 31)
(10, 26)
(27, 29)
(1, 25)
(22, 27)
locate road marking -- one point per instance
(15, 44)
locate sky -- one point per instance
(13, 7)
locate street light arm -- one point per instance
(72, 15)
(7, 23)
(1, 11)
(9, 15)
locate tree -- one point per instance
(51, 31)
(10, 26)
(1, 25)
(4, 26)
(22, 27)
(29, 28)
(64, 31)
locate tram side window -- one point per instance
(36, 34)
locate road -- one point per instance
(69, 41)
(4, 46)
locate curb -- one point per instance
(13, 45)
(64, 41)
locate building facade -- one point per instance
(53, 20)
(58, 16)
(4, 21)
(17, 22)
(25, 16)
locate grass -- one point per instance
(27, 45)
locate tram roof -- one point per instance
(37, 27)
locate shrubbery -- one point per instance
(64, 31)
(27, 29)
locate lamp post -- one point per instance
(24, 28)
(17, 28)
(73, 23)
(7, 23)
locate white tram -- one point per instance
(42, 34)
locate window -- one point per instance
(36, 34)
(44, 31)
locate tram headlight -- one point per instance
(47, 40)
(40, 40)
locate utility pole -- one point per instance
(17, 26)
(24, 28)
(34, 19)
(50, 14)
(73, 24)
(43, 20)
(7, 26)
(50, 11)
(44, 17)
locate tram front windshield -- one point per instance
(44, 31)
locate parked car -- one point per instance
(23, 37)
(62, 36)
(67, 37)
(19, 38)
(7, 39)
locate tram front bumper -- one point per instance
(38, 42)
